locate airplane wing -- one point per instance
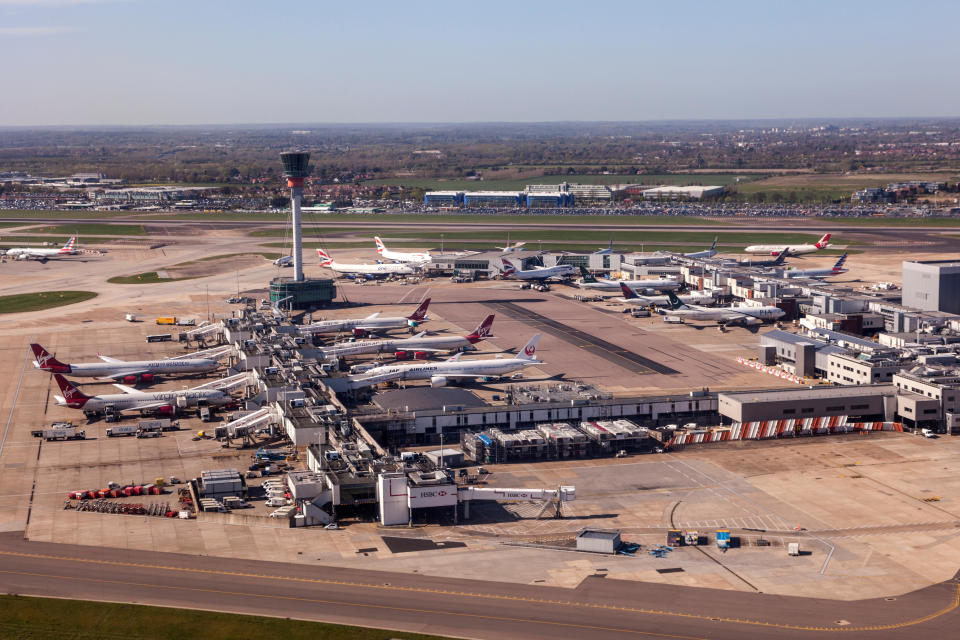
(122, 374)
(455, 357)
(372, 316)
(223, 383)
(125, 388)
(110, 360)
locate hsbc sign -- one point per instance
(434, 496)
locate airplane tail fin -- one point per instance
(380, 246)
(824, 241)
(482, 331)
(68, 247)
(508, 267)
(781, 256)
(529, 351)
(714, 245)
(675, 302)
(587, 276)
(839, 264)
(45, 361)
(325, 259)
(628, 293)
(421, 311)
(72, 396)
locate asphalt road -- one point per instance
(599, 608)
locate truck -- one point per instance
(674, 537)
(928, 433)
(164, 424)
(185, 322)
(122, 430)
(63, 433)
(160, 337)
(793, 549)
(167, 320)
(691, 538)
(723, 539)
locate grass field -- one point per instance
(42, 300)
(893, 222)
(268, 256)
(518, 184)
(149, 277)
(814, 187)
(25, 618)
(93, 228)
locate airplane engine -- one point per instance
(438, 381)
(146, 378)
(166, 410)
(420, 355)
(130, 379)
(752, 321)
(401, 355)
(360, 333)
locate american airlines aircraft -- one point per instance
(440, 373)
(34, 253)
(375, 270)
(400, 256)
(835, 270)
(373, 322)
(560, 271)
(631, 297)
(113, 368)
(794, 249)
(163, 402)
(419, 342)
(588, 281)
(740, 314)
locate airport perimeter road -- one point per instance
(599, 608)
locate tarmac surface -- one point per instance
(599, 607)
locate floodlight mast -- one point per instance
(296, 168)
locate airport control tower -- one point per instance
(299, 292)
(296, 167)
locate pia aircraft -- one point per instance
(161, 402)
(794, 249)
(835, 270)
(739, 314)
(419, 342)
(114, 368)
(440, 373)
(372, 323)
(631, 297)
(372, 270)
(400, 256)
(706, 253)
(35, 253)
(588, 281)
(560, 271)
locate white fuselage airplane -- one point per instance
(659, 284)
(133, 400)
(372, 323)
(740, 314)
(379, 269)
(419, 342)
(631, 297)
(561, 271)
(706, 253)
(114, 368)
(400, 256)
(794, 249)
(835, 270)
(439, 373)
(32, 253)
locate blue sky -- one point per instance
(206, 62)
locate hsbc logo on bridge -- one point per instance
(421, 497)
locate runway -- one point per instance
(599, 607)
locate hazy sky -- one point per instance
(208, 61)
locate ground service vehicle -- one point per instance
(122, 430)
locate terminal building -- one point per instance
(932, 285)
(682, 193)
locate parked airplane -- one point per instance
(114, 368)
(285, 261)
(706, 253)
(400, 256)
(739, 314)
(412, 345)
(374, 270)
(631, 297)
(776, 262)
(163, 402)
(588, 281)
(795, 249)
(835, 270)
(560, 272)
(35, 253)
(440, 373)
(372, 323)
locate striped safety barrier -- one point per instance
(771, 429)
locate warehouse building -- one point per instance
(863, 403)
(932, 285)
(682, 193)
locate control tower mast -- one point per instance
(296, 168)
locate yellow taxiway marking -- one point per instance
(952, 605)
